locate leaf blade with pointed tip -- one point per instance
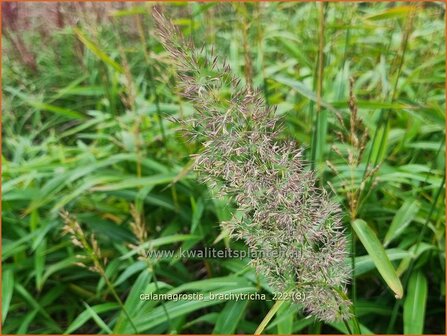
(7, 290)
(378, 255)
(97, 51)
(401, 220)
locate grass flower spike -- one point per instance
(280, 210)
(87, 243)
(93, 255)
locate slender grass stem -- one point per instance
(97, 262)
(120, 302)
(354, 282)
(155, 94)
(317, 129)
(248, 67)
(268, 317)
(384, 119)
(261, 51)
(165, 310)
(347, 327)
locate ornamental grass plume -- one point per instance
(87, 243)
(93, 256)
(280, 210)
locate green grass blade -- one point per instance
(303, 90)
(133, 302)
(395, 12)
(129, 12)
(159, 242)
(401, 220)
(7, 291)
(364, 264)
(137, 182)
(415, 303)
(62, 111)
(285, 325)
(97, 51)
(197, 211)
(229, 317)
(378, 255)
(269, 316)
(86, 315)
(97, 319)
(35, 304)
(342, 328)
(39, 263)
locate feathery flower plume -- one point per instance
(90, 245)
(279, 207)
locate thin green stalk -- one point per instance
(159, 116)
(354, 282)
(139, 229)
(131, 98)
(354, 317)
(153, 90)
(317, 129)
(117, 298)
(347, 327)
(102, 272)
(382, 123)
(347, 39)
(260, 38)
(356, 323)
(315, 328)
(244, 24)
(268, 317)
(353, 240)
(158, 290)
(376, 131)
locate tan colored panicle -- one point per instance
(291, 225)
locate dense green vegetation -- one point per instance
(89, 127)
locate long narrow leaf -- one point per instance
(7, 290)
(414, 306)
(401, 220)
(97, 51)
(378, 255)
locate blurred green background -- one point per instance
(88, 101)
